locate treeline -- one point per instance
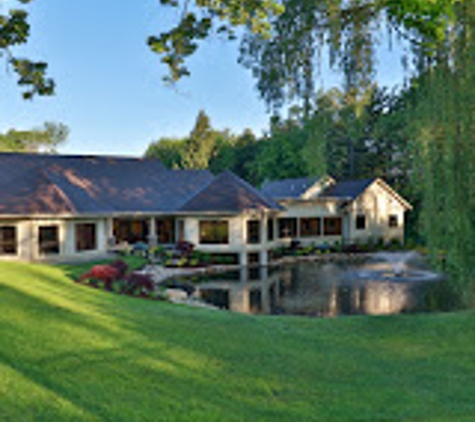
(43, 139)
(341, 137)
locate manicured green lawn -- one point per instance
(72, 353)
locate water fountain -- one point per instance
(394, 267)
(394, 282)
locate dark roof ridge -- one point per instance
(289, 179)
(76, 156)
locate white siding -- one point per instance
(28, 235)
(377, 204)
(237, 226)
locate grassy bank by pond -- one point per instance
(71, 353)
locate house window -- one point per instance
(253, 231)
(270, 229)
(393, 221)
(131, 231)
(86, 239)
(8, 240)
(48, 240)
(360, 222)
(309, 227)
(332, 226)
(287, 227)
(214, 232)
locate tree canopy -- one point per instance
(283, 39)
(14, 32)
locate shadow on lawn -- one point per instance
(107, 373)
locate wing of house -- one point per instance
(324, 210)
(67, 207)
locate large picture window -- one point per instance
(287, 227)
(48, 240)
(310, 227)
(253, 231)
(8, 240)
(131, 230)
(86, 237)
(214, 232)
(332, 226)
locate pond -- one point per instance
(383, 284)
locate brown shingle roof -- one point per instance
(53, 184)
(229, 193)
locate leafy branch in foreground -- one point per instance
(15, 31)
(283, 40)
(201, 19)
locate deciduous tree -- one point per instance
(45, 139)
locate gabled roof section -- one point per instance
(299, 188)
(229, 193)
(289, 188)
(53, 184)
(352, 189)
(348, 190)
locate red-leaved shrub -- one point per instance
(120, 266)
(139, 283)
(105, 273)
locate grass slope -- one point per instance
(71, 353)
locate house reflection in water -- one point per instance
(310, 289)
(249, 290)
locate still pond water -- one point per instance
(373, 287)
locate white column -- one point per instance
(263, 228)
(152, 232)
(110, 238)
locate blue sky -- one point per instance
(109, 87)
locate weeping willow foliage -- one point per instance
(443, 123)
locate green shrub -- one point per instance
(182, 262)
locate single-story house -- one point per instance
(55, 207)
